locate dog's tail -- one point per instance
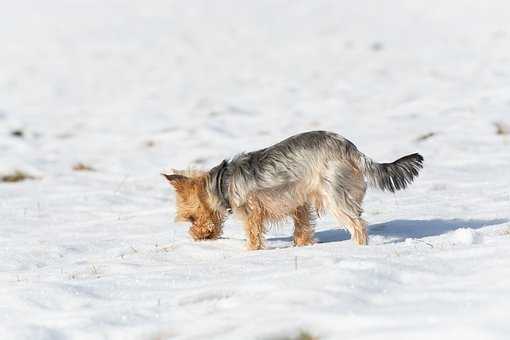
(390, 176)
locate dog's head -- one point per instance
(193, 204)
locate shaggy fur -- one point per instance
(299, 177)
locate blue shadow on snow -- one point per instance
(403, 229)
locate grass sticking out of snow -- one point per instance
(82, 167)
(301, 335)
(502, 128)
(16, 176)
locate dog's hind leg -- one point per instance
(303, 226)
(345, 195)
(355, 224)
(357, 228)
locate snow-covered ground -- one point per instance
(132, 87)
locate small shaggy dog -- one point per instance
(299, 177)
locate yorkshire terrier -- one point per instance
(300, 177)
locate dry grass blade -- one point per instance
(16, 176)
(302, 335)
(502, 128)
(82, 167)
(425, 136)
(18, 133)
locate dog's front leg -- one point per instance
(254, 227)
(303, 226)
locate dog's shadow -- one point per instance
(399, 230)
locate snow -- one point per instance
(466, 236)
(132, 87)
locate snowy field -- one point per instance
(133, 87)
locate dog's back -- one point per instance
(315, 163)
(302, 155)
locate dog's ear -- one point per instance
(178, 172)
(178, 181)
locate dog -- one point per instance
(301, 177)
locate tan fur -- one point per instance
(303, 226)
(193, 206)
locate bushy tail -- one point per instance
(392, 176)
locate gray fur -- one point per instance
(319, 167)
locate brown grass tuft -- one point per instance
(82, 167)
(16, 176)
